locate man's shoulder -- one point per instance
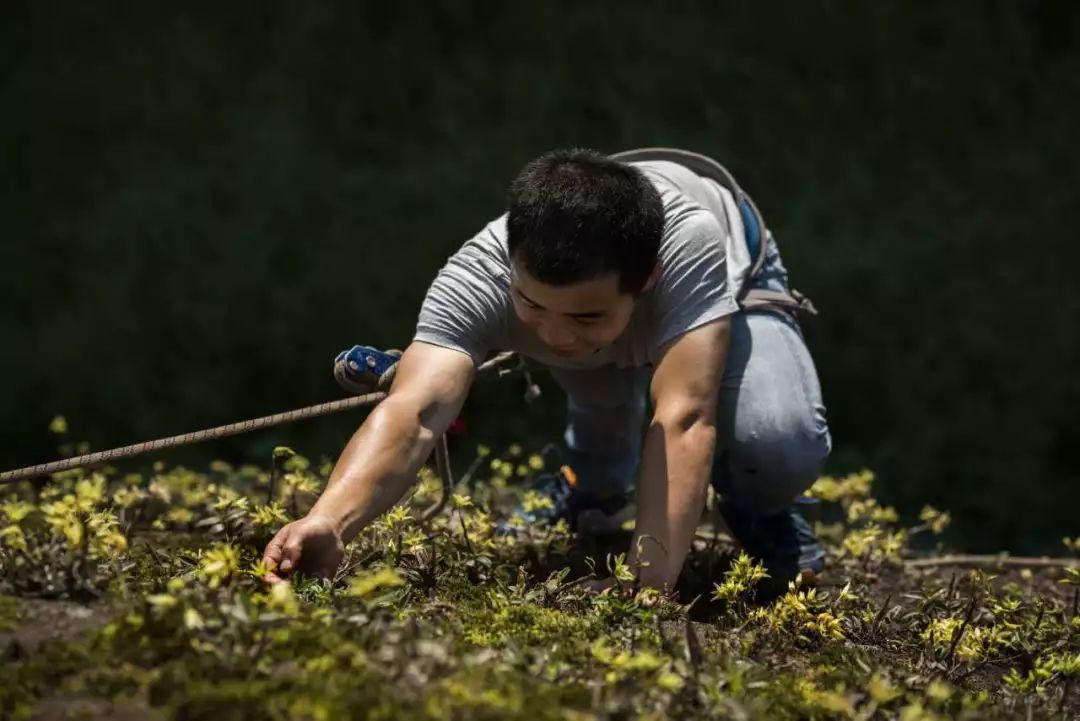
(490, 239)
(485, 256)
(690, 230)
(466, 305)
(689, 199)
(670, 174)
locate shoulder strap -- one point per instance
(752, 221)
(706, 167)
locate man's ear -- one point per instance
(654, 277)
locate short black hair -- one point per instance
(575, 215)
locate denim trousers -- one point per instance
(772, 435)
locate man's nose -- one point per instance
(553, 334)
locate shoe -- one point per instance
(585, 513)
(785, 543)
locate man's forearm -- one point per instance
(376, 467)
(676, 464)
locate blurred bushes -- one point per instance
(221, 198)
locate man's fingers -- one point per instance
(290, 554)
(274, 553)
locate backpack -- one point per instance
(754, 225)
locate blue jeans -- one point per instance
(772, 436)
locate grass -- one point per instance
(139, 597)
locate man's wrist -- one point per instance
(338, 522)
(653, 569)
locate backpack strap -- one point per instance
(706, 167)
(753, 224)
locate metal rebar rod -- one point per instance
(184, 439)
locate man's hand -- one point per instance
(311, 546)
(379, 463)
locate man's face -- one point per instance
(575, 320)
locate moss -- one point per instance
(10, 613)
(443, 623)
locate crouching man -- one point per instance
(644, 276)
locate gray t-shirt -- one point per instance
(468, 306)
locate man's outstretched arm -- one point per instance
(379, 463)
(678, 452)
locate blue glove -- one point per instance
(359, 369)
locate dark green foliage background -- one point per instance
(206, 203)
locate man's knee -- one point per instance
(768, 468)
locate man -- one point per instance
(626, 277)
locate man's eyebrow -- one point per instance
(529, 300)
(589, 314)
